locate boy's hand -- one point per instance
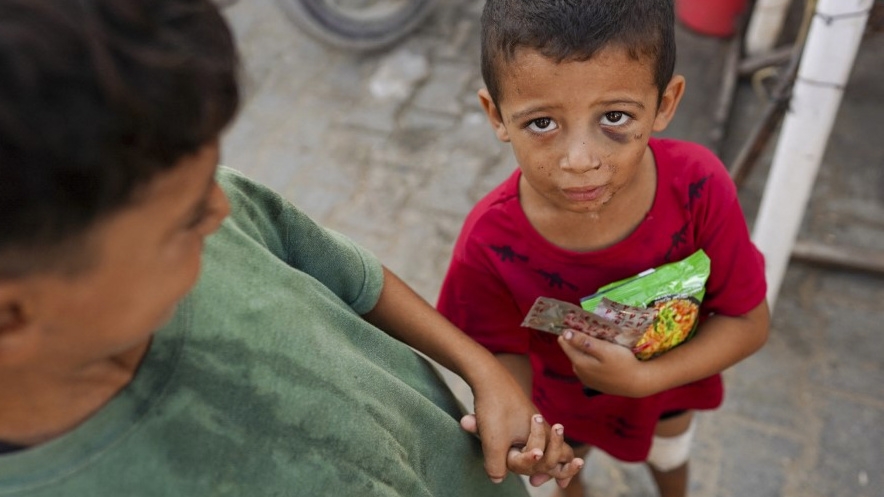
(543, 457)
(604, 366)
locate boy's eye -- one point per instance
(542, 125)
(615, 118)
(198, 218)
(196, 222)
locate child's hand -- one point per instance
(545, 455)
(604, 366)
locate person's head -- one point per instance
(577, 88)
(110, 113)
(575, 30)
(97, 97)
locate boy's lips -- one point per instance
(584, 194)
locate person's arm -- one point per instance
(719, 343)
(520, 367)
(503, 412)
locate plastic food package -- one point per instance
(650, 313)
(556, 316)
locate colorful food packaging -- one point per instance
(650, 313)
(556, 316)
(675, 290)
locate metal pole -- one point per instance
(829, 52)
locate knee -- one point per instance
(669, 453)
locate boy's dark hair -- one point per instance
(96, 98)
(575, 30)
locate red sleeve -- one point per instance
(736, 282)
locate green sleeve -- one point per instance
(351, 272)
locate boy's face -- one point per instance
(145, 259)
(579, 130)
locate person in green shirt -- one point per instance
(171, 328)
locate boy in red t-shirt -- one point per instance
(577, 88)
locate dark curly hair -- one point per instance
(574, 30)
(97, 97)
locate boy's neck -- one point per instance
(39, 406)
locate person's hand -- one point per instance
(543, 456)
(604, 366)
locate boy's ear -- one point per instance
(17, 325)
(669, 103)
(493, 115)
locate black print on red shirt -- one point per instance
(622, 428)
(507, 254)
(695, 191)
(555, 280)
(678, 238)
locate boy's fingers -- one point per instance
(557, 451)
(565, 472)
(496, 455)
(469, 425)
(574, 344)
(522, 462)
(536, 436)
(539, 479)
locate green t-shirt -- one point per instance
(268, 382)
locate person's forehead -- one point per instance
(527, 65)
(188, 178)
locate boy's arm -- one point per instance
(520, 367)
(503, 411)
(719, 343)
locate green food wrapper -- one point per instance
(675, 290)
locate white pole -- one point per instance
(765, 25)
(832, 42)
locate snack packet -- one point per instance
(675, 290)
(556, 316)
(650, 313)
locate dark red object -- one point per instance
(710, 17)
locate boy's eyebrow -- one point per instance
(515, 116)
(623, 101)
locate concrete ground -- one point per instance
(392, 149)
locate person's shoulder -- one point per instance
(234, 182)
(684, 152)
(688, 159)
(503, 197)
(493, 212)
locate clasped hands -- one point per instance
(543, 456)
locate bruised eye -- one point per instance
(542, 125)
(615, 119)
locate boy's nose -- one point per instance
(581, 156)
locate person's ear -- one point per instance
(669, 102)
(493, 114)
(17, 325)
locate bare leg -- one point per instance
(575, 488)
(672, 483)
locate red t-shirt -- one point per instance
(501, 265)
